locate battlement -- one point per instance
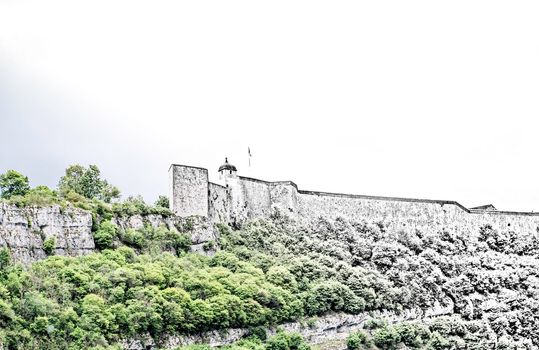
(244, 198)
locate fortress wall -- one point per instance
(409, 214)
(284, 197)
(246, 198)
(219, 209)
(189, 190)
(256, 198)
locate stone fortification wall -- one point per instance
(219, 209)
(252, 198)
(249, 198)
(189, 190)
(23, 231)
(246, 198)
(410, 214)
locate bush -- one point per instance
(374, 323)
(258, 332)
(137, 206)
(286, 341)
(39, 196)
(48, 245)
(355, 340)
(386, 338)
(156, 240)
(104, 236)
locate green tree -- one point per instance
(162, 202)
(88, 183)
(13, 183)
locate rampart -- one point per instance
(246, 198)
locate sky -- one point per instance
(423, 99)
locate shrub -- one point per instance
(258, 332)
(437, 342)
(355, 340)
(48, 245)
(5, 258)
(286, 341)
(104, 236)
(333, 295)
(374, 323)
(386, 338)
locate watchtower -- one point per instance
(227, 172)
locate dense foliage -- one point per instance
(82, 188)
(13, 183)
(389, 337)
(102, 298)
(431, 334)
(88, 183)
(280, 341)
(303, 262)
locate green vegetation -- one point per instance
(48, 245)
(74, 303)
(155, 240)
(88, 183)
(280, 341)
(13, 183)
(105, 235)
(312, 268)
(440, 333)
(82, 188)
(162, 202)
(136, 289)
(144, 282)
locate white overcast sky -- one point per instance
(427, 99)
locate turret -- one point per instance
(227, 171)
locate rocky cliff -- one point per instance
(24, 230)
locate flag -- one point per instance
(249, 154)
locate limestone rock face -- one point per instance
(318, 330)
(23, 231)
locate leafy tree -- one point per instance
(13, 183)
(88, 183)
(162, 202)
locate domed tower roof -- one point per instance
(227, 166)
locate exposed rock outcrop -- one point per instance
(315, 330)
(23, 231)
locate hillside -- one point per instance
(477, 290)
(77, 272)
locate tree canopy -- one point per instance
(13, 183)
(88, 183)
